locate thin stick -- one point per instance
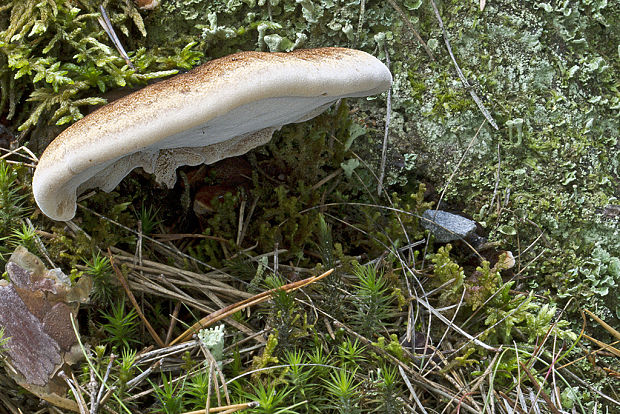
(95, 405)
(539, 390)
(16, 151)
(92, 385)
(132, 298)
(407, 22)
(138, 379)
(473, 94)
(514, 405)
(254, 300)
(208, 404)
(411, 390)
(387, 130)
(234, 407)
(326, 179)
(78, 395)
(79, 387)
(173, 322)
(240, 222)
(247, 221)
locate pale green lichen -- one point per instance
(549, 76)
(228, 26)
(213, 340)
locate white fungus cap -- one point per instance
(221, 109)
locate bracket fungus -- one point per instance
(220, 109)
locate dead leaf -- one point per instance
(36, 309)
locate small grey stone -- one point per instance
(446, 226)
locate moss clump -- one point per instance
(505, 315)
(55, 60)
(301, 176)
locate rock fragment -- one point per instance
(447, 227)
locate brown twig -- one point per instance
(539, 390)
(514, 405)
(235, 307)
(132, 298)
(173, 321)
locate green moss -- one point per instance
(56, 59)
(393, 347)
(266, 359)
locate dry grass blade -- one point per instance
(414, 394)
(456, 328)
(134, 302)
(254, 300)
(106, 24)
(540, 391)
(29, 155)
(226, 408)
(473, 94)
(604, 346)
(608, 328)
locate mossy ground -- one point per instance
(545, 185)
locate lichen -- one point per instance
(548, 73)
(213, 340)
